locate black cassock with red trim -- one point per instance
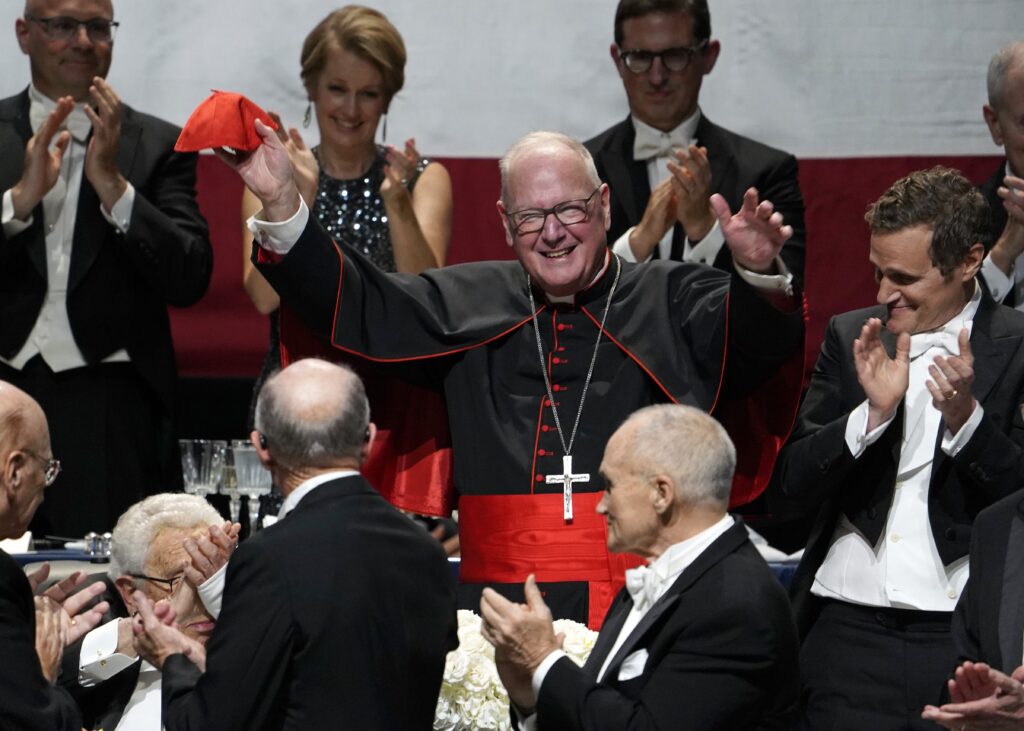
(456, 387)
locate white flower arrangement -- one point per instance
(472, 697)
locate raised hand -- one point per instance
(399, 170)
(754, 234)
(883, 379)
(691, 177)
(208, 553)
(982, 698)
(304, 163)
(950, 385)
(41, 168)
(156, 636)
(101, 156)
(76, 619)
(267, 171)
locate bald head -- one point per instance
(1007, 61)
(44, 7)
(24, 452)
(536, 147)
(314, 414)
(684, 443)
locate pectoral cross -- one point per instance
(567, 478)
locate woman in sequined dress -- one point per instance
(395, 206)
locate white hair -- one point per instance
(535, 140)
(139, 526)
(1009, 56)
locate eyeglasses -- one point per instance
(531, 220)
(51, 466)
(172, 583)
(674, 59)
(64, 28)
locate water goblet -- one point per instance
(202, 463)
(252, 478)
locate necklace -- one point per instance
(567, 478)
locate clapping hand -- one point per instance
(157, 637)
(982, 698)
(884, 379)
(208, 553)
(399, 170)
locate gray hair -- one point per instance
(689, 446)
(139, 526)
(540, 140)
(313, 413)
(1009, 56)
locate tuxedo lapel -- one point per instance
(1011, 604)
(721, 162)
(992, 347)
(627, 177)
(610, 629)
(719, 549)
(15, 116)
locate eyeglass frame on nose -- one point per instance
(516, 222)
(641, 54)
(94, 28)
(172, 583)
(51, 469)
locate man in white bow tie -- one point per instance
(911, 426)
(701, 638)
(666, 158)
(100, 232)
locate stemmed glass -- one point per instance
(252, 479)
(202, 463)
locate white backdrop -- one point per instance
(821, 78)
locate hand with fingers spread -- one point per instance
(157, 637)
(51, 636)
(101, 156)
(659, 216)
(754, 234)
(43, 155)
(950, 384)
(268, 172)
(522, 635)
(207, 554)
(885, 380)
(305, 167)
(691, 181)
(982, 698)
(76, 616)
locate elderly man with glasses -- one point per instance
(539, 360)
(168, 546)
(100, 232)
(665, 160)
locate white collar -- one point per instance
(296, 495)
(41, 105)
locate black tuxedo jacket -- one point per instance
(338, 616)
(721, 654)
(995, 203)
(737, 163)
(818, 469)
(27, 700)
(118, 286)
(988, 625)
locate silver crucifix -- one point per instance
(567, 478)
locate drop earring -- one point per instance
(308, 116)
(384, 134)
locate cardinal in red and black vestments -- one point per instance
(541, 359)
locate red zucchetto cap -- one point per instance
(224, 119)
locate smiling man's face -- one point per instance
(917, 295)
(561, 259)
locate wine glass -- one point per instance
(202, 463)
(252, 478)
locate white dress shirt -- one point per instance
(666, 569)
(51, 337)
(999, 284)
(904, 569)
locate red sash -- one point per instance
(504, 538)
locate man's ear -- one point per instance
(664, 494)
(371, 434)
(509, 236)
(994, 128)
(125, 586)
(973, 261)
(21, 30)
(710, 56)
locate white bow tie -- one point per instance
(649, 143)
(77, 123)
(945, 338)
(642, 584)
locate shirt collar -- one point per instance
(681, 134)
(296, 495)
(40, 106)
(680, 555)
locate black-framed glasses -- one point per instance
(170, 584)
(51, 466)
(531, 220)
(64, 27)
(639, 61)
